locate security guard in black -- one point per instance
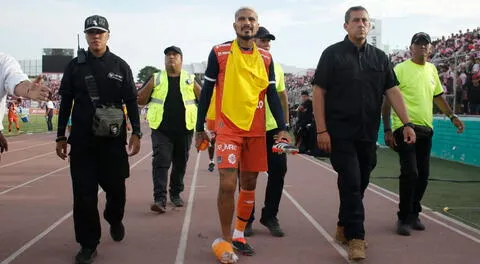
(97, 160)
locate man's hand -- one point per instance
(3, 144)
(389, 139)
(323, 141)
(61, 149)
(458, 124)
(409, 135)
(283, 134)
(133, 145)
(36, 91)
(199, 138)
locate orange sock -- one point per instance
(245, 203)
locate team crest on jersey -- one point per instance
(219, 159)
(232, 159)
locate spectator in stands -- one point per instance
(14, 82)
(473, 89)
(420, 86)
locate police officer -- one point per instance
(172, 114)
(95, 79)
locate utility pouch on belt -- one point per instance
(108, 119)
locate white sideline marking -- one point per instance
(182, 245)
(49, 229)
(474, 239)
(317, 226)
(32, 146)
(20, 161)
(32, 180)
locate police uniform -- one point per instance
(96, 160)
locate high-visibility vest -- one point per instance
(159, 94)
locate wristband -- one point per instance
(61, 138)
(322, 132)
(409, 124)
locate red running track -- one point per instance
(36, 224)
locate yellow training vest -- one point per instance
(159, 94)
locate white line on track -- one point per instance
(317, 226)
(32, 180)
(29, 147)
(49, 229)
(182, 245)
(24, 160)
(456, 230)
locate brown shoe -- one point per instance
(356, 250)
(340, 235)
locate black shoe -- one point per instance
(241, 246)
(85, 256)
(273, 225)
(418, 225)
(248, 230)
(403, 229)
(159, 207)
(117, 232)
(211, 166)
(177, 201)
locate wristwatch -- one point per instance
(409, 124)
(138, 134)
(452, 116)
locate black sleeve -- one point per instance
(66, 95)
(130, 100)
(273, 98)
(390, 76)
(323, 69)
(211, 74)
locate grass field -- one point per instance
(462, 197)
(36, 124)
(449, 185)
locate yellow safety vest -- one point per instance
(159, 94)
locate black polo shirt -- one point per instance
(115, 85)
(355, 81)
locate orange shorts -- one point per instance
(246, 153)
(12, 119)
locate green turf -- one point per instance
(462, 199)
(36, 124)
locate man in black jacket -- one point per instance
(94, 79)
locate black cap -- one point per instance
(96, 22)
(174, 49)
(421, 36)
(304, 92)
(263, 33)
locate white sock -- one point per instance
(237, 234)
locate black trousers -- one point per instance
(414, 172)
(49, 122)
(353, 161)
(107, 166)
(169, 149)
(277, 168)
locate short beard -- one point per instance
(246, 38)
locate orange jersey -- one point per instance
(223, 125)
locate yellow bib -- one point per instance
(245, 78)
